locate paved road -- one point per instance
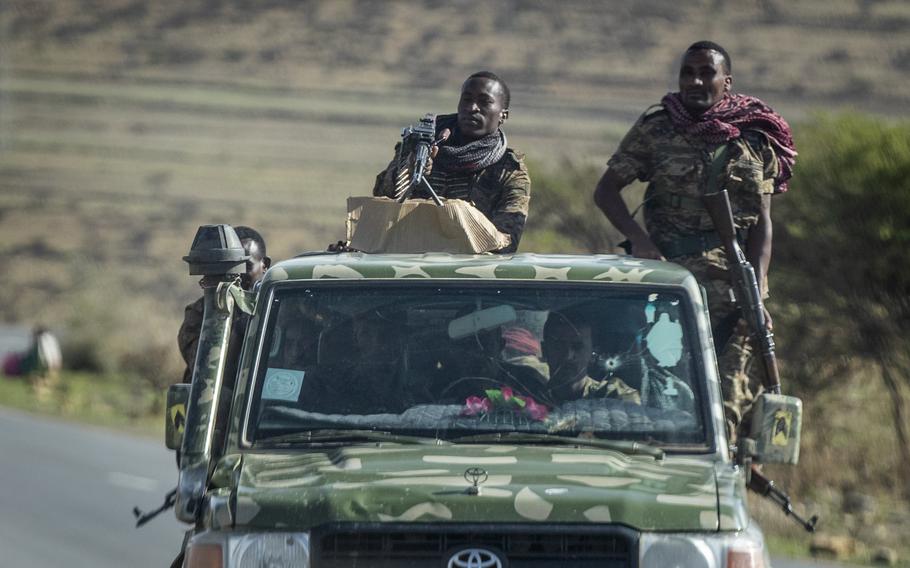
(66, 492)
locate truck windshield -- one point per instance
(454, 361)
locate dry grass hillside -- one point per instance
(124, 124)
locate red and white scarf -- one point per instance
(727, 119)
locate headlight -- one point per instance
(250, 550)
(703, 550)
(270, 550)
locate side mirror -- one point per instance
(175, 415)
(776, 426)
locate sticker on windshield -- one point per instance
(282, 384)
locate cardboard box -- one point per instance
(380, 224)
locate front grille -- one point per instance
(522, 546)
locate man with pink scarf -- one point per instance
(702, 139)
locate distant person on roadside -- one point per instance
(256, 266)
(702, 139)
(472, 161)
(42, 360)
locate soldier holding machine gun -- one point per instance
(465, 156)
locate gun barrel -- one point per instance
(421, 156)
(767, 489)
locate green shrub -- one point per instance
(563, 217)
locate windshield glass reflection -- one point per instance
(454, 360)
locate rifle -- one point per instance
(766, 488)
(748, 295)
(745, 285)
(420, 138)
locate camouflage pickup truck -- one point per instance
(461, 411)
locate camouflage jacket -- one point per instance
(501, 191)
(677, 169)
(188, 336)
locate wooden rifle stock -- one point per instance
(745, 285)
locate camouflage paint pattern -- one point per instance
(243, 299)
(526, 266)
(416, 483)
(731, 499)
(205, 390)
(299, 489)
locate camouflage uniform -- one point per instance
(501, 191)
(677, 168)
(188, 336)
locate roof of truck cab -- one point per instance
(523, 266)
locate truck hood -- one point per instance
(412, 483)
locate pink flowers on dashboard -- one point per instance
(504, 400)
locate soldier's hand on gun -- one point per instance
(434, 149)
(768, 323)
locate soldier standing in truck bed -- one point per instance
(473, 162)
(702, 139)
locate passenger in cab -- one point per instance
(567, 349)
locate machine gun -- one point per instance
(745, 285)
(419, 139)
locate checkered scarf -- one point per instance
(471, 157)
(728, 118)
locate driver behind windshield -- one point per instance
(567, 348)
(490, 359)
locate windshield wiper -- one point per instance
(343, 436)
(624, 446)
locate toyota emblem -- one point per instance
(475, 558)
(475, 476)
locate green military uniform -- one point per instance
(501, 191)
(678, 168)
(188, 336)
